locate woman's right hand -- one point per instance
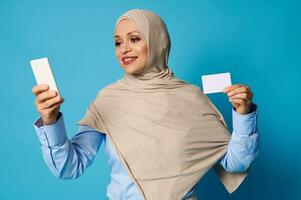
(47, 103)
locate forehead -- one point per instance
(125, 26)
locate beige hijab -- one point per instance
(166, 132)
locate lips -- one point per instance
(128, 59)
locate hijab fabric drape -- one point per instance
(166, 132)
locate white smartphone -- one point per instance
(43, 73)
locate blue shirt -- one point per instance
(68, 158)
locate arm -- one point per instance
(244, 143)
(67, 159)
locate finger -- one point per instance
(248, 96)
(246, 101)
(231, 87)
(46, 95)
(46, 111)
(240, 96)
(50, 102)
(238, 101)
(40, 88)
(242, 89)
(50, 109)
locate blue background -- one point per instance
(257, 41)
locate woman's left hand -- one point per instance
(240, 96)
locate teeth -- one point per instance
(128, 59)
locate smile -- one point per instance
(128, 59)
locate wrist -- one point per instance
(53, 121)
(251, 108)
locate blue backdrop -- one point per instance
(257, 41)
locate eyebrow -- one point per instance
(129, 33)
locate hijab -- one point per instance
(166, 132)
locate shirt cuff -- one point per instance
(53, 134)
(245, 124)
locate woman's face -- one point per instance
(130, 47)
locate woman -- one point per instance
(162, 134)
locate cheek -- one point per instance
(143, 52)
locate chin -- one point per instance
(131, 69)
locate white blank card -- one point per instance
(215, 82)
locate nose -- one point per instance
(125, 48)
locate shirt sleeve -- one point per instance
(67, 159)
(244, 144)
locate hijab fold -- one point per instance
(166, 132)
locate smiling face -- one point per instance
(130, 47)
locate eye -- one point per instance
(117, 43)
(135, 39)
